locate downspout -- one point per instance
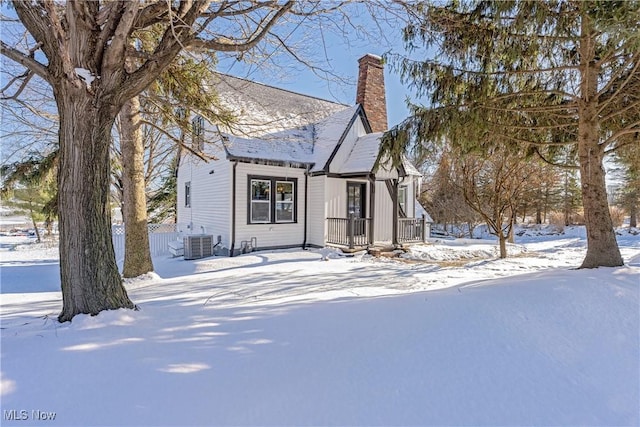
(306, 200)
(233, 209)
(394, 196)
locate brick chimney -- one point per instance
(370, 92)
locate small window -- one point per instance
(260, 200)
(187, 194)
(402, 200)
(197, 133)
(271, 200)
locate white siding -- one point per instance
(268, 235)
(383, 222)
(386, 171)
(356, 130)
(317, 228)
(335, 198)
(210, 210)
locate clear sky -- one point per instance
(340, 53)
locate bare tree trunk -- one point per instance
(633, 215)
(89, 275)
(602, 247)
(137, 256)
(503, 245)
(35, 226)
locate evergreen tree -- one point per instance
(548, 75)
(629, 194)
(29, 188)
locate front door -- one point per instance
(356, 198)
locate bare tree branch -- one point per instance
(25, 60)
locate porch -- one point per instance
(356, 232)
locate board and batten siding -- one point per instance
(383, 224)
(268, 235)
(210, 211)
(336, 197)
(317, 224)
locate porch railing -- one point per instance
(351, 232)
(412, 230)
(356, 232)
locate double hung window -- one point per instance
(272, 200)
(402, 200)
(284, 201)
(197, 133)
(260, 200)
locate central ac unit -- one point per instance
(198, 246)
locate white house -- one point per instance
(298, 171)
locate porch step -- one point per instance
(386, 251)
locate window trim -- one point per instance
(363, 197)
(284, 202)
(403, 205)
(197, 133)
(273, 180)
(187, 194)
(260, 201)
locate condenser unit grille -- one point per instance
(198, 246)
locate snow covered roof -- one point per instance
(328, 133)
(311, 144)
(262, 109)
(294, 146)
(363, 156)
(420, 210)
(285, 127)
(409, 168)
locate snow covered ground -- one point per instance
(445, 335)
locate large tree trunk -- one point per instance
(137, 256)
(89, 275)
(602, 247)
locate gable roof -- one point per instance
(281, 127)
(261, 109)
(329, 135)
(363, 155)
(311, 144)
